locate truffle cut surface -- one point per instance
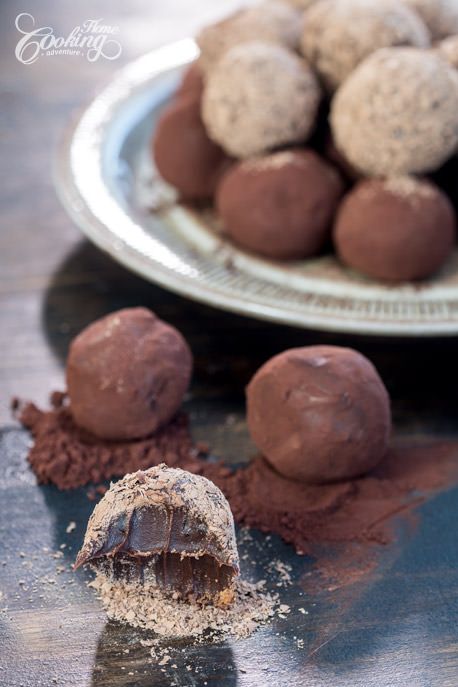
(165, 527)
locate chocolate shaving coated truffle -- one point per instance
(165, 527)
(396, 113)
(448, 49)
(440, 16)
(339, 34)
(273, 22)
(258, 97)
(302, 4)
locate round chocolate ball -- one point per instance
(396, 113)
(319, 414)
(259, 96)
(440, 16)
(280, 205)
(184, 155)
(192, 83)
(339, 34)
(127, 374)
(396, 229)
(273, 21)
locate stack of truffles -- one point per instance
(316, 120)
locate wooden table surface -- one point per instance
(401, 629)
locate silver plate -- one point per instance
(106, 181)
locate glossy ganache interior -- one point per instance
(167, 528)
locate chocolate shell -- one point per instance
(165, 527)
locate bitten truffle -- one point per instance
(259, 96)
(280, 205)
(127, 374)
(319, 414)
(273, 22)
(396, 229)
(339, 34)
(167, 528)
(440, 16)
(396, 113)
(184, 155)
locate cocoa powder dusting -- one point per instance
(67, 456)
(355, 516)
(359, 510)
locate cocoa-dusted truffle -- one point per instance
(192, 83)
(397, 113)
(127, 374)
(168, 528)
(280, 205)
(396, 229)
(319, 414)
(273, 22)
(440, 16)
(184, 154)
(259, 96)
(339, 34)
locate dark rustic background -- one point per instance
(53, 282)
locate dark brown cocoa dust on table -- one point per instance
(355, 517)
(69, 457)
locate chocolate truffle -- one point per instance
(440, 16)
(396, 229)
(166, 528)
(302, 4)
(396, 113)
(184, 155)
(448, 49)
(272, 22)
(280, 205)
(259, 96)
(127, 374)
(192, 83)
(339, 34)
(319, 414)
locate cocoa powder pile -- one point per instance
(67, 456)
(359, 511)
